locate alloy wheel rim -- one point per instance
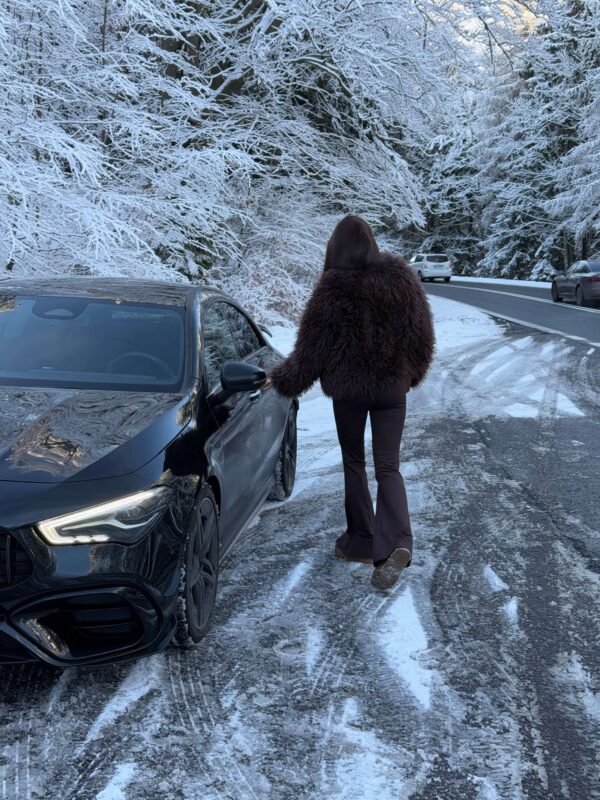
(202, 579)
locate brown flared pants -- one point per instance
(371, 534)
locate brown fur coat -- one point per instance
(361, 329)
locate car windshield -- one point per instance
(594, 266)
(75, 342)
(437, 259)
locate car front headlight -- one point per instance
(125, 520)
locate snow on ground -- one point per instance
(470, 680)
(402, 639)
(496, 583)
(515, 379)
(141, 679)
(510, 608)
(115, 790)
(571, 675)
(318, 451)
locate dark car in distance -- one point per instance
(139, 435)
(581, 283)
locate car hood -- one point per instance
(54, 435)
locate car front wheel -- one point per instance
(579, 298)
(199, 572)
(556, 298)
(420, 276)
(446, 280)
(285, 467)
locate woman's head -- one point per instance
(351, 245)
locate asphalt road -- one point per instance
(526, 304)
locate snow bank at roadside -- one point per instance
(455, 324)
(460, 325)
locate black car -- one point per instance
(139, 435)
(581, 282)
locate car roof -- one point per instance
(130, 289)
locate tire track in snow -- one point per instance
(94, 758)
(513, 523)
(19, 754)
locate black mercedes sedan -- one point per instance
(139, 435)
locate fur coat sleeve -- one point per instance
(316, 335)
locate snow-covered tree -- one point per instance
(575, 204)
(96, 174)
(533, 148)
(222, 142)
(139, 137)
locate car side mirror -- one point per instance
(238, 376)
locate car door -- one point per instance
(253, 349)
(416, 262)
(239, 417)
(583, 274)
(571, 279)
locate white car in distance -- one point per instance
(430, 266)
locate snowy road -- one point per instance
(475, 679)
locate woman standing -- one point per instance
(367, 334)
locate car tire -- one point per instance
(556, 298)
(579, 298)
(285, 467)
(446, 280)
(199, 572)
(420, 274)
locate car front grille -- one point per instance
(15, 564)
(84, 626)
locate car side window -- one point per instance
(418, 259)
(244, 334)
(575, 268)
(217, 342)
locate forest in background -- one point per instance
(221, 142)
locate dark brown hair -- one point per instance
(351, 245)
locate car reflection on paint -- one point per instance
(139, 435)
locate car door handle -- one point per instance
(254, 395)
